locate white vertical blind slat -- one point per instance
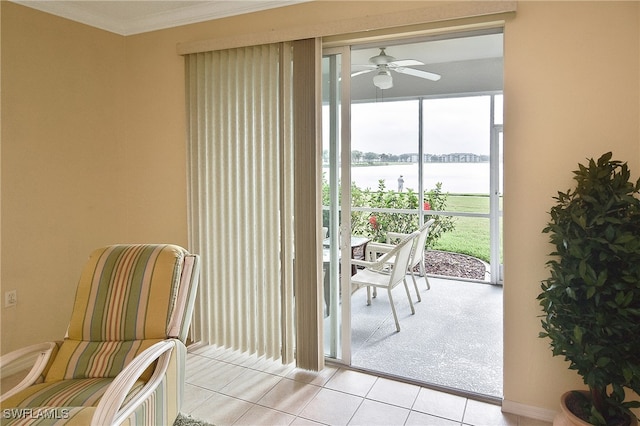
(308, 256)
(258, 227)
(270, 104)
(286, 201)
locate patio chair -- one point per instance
(417, 255)
(386, 272)
(123, 357)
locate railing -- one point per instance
(475, 241)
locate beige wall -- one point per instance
(93, 149)
(62, 134)
(84, 162)
(571, 85)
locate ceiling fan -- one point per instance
(383, 64)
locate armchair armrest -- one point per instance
(110, 410)
(380, 264)
(364, 263)
(382, 267)
(374, 249)
(37, 356)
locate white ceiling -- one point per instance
(127, 17)
(468, 63)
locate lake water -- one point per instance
(471, 178)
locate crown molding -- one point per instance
(192, 12)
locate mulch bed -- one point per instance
(454, 265)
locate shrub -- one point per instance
(375, 225)
(591, 301)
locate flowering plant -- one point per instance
(376, 225)
(373, 222)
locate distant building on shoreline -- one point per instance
(456, 157)
(373, 158)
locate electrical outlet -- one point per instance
(10, 298)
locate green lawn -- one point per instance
(471, 234)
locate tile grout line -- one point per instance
(286, 374)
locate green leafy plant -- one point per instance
(435, 199)
(377, 224)
(591, 301)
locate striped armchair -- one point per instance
(123, 358)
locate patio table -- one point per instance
(358, 250)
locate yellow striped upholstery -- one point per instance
(83, 360)
(126, 293)
(63, 393)
(49, 416)
(123, 305)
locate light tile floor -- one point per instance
(224, 387)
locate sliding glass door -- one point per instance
(336, 196)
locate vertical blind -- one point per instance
(240, 152)
(307, 213)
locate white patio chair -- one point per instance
(417, 255)
(386, 272)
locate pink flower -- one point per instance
(426, 206)
(373, 222)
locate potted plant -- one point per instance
(591, 301)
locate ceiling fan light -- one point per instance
(383, 80)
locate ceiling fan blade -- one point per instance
(357, 73)
(418, 73)
(406, 63)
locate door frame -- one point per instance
(342, 136)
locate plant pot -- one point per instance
(566, 418)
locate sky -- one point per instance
(451, 125)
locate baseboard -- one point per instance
(529, 411)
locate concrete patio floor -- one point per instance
(453, 341)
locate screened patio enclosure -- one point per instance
(398, 153)
(419, 158)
